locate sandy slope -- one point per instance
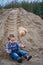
(10, 21)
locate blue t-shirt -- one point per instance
(12, 46)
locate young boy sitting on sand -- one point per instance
(13, 48)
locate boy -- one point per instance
(13, 48)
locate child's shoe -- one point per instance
(29, 57)
(20, 60)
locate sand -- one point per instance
(10, 21)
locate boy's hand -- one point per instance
(9, 51)
(23, 46)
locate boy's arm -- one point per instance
(7, 48)
(21, 45)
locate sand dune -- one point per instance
(11, 20)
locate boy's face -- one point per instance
(12, 40)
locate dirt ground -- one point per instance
(10, 21)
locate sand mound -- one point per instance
(10, 21)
